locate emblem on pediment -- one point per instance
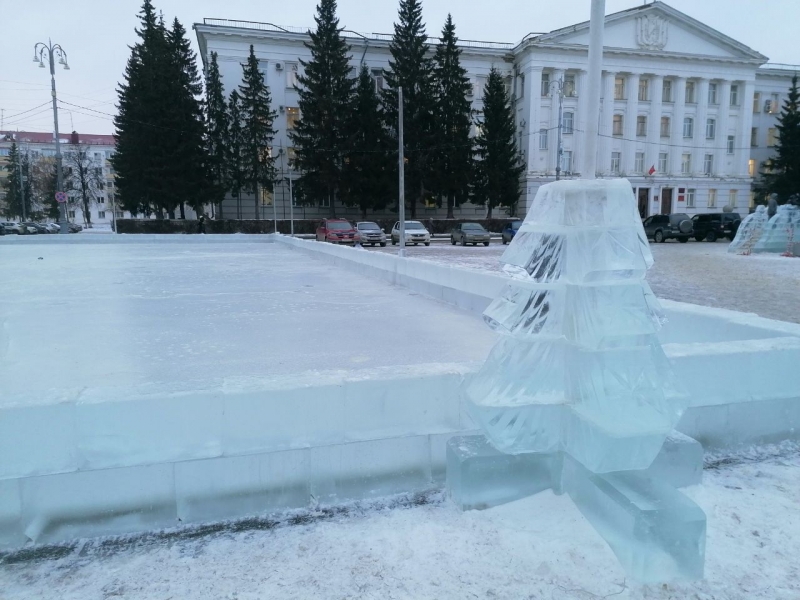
(651, 32)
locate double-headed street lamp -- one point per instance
(52, 51)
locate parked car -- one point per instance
(53, 227)
(711, 226)
(661, 228)
(510, 230)
(2, 230)
(10, 227)
(40, 227)
(415, 233)
(370, 233)
(337, 231)
(28, 228)
(74, 228)
(469, 233)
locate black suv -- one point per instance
(660, 228)
(711, 226)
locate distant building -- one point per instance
(688, 114)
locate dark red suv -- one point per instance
(337, 231)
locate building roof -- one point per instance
(46, 137)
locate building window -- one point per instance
(734, 95)
(666, 91)
(120, 214)
(712, 198)
(72, 214)
(292, 116)
(686, 163)
(688, 127)
(756, 102)
(615, 160)
(732, 198)
(566, 161)
(712, 93)
(711, 129)
(638, 165)
(708, 164)
(101, 200)
(689, 92)
(325, 202)
(101, 214)
(775, 104)
(754, 136)
(377, 76)
(291, 75)
(619, 88)
(641, 125)
(569, 122)
(266, 197)
(751, 167)
(663, 162)
(479, 86)
(690, 194)
(545, 84)
(665, 123)
(569, 86)
(731, 144)
(644, 89)
(4, 151)
(543, 139)
(522, 85)
(772, 137)
(617, 125)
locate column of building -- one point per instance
(582, 82)
(720, 155)
(630, 123)
(698, 153)
(552, 148)
(654, 123)
(677, 142)
(533, 85)
(742, 141)
(606, 124)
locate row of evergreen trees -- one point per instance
(175, 149)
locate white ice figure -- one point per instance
(782, 230)
(579, 369)
(749, 232)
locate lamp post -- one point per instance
(558, 87)
(51, 51)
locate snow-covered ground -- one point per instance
(696, 272)
(537, 548)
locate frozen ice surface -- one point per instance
(479, 476)
(656, 532)
(781, 231)
(749, 232)
(580, 369)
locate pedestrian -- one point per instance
(201, 224)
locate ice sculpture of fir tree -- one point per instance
(579, 368)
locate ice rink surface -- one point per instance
(696, 272)
(77, 316)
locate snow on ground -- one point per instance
(696, 272)
(537, 548)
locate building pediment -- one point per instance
(656, 28)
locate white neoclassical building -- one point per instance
(687, 113)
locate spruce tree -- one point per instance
(412, 69)
(257, 132)
(369, 169)
(216, 132)
(499, 167)
(325, 89)
(189, 177)
(782, 173)
(234, 165)
(13, 188)
(454, 120)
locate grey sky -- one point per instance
(96, 33)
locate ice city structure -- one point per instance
(579, 381)
(749, 232)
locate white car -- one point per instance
(53, 227)
(370, 233)
(11, 227)
(415, 233)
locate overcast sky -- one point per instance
(96, 35)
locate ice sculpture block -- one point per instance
(579, 369)
(655, 531)
(782, 230)
(749, 232)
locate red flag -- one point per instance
(652, 170)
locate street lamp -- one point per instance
(51, 51)
(558, 87)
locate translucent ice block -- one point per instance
(781, 229)
(749, 232)
(656, 532)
